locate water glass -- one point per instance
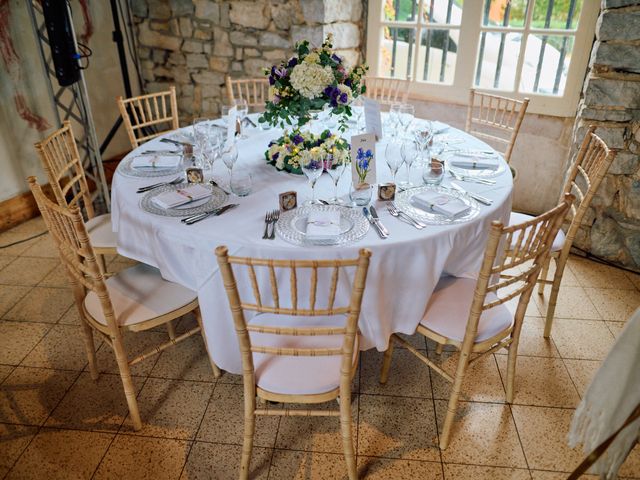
(224, 113)
(410, 152)
(229, 155)
(393, 156)
(241, 182)
(360, 194)
(312, 168)
(433, 171)
(335, 171)
(394, 117)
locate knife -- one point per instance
(250, 122)
(376, 218)
(479, 198)
(175, 142)
(368, 216)
(202, 216)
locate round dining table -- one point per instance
(404, 268)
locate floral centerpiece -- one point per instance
(311, 80)
(286, 152)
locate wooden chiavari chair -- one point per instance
(472, 316)
(585, 176)
(148, 116)
(496, 119)
(61, 160)
(387, 91)
(296, 350)
(133, 300)
(254, 90)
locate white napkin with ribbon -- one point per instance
(180, 196)
(156, 161)
(323, 224)
(471, 160)
(447, 205)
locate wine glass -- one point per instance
(224, 113)
(335, 168)
(394, 117)
(393, 156)
(243, 110)
(229, 155)
(410, 151)
(357, 108)
(405, 115)
(312, 167)
(200, 139)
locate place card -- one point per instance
(231, 124)
(195, 175)
(372, 117)
(386, 192)
(288, 200)
(363, 158)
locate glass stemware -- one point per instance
(335, 169)
(229, 156)
(224, 114)
(200, 140)
(405, 116)
(410, 152)
(357, 108)
(241, 182)
(394, 117)
(394, 157)
(312, 167)
(243, 111)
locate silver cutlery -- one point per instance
(250, 122)
(375, 216)
(371, 220)
(216, 212)
(273, 224)
(216, 184)
(465, 178)
(161, 152)
(161, 184)
(267, 220)
(400, 215)
(479, 198)
(176, 142)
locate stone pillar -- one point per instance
(194, 44)
(611, 100)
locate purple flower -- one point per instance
(275, 156)
(276, 99)
(272, 80)
(343, 98)
(348, 82)
(293, 61)
(336, 58)
(297, 139)
(279, 72)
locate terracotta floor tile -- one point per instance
(171, 408)
(573, 302)
(397, 427)
(71, 316)
(17, 339)
(634, 277)
(57, 277)
(541, 381)
(12, 236)
(293, 465)
(545, 475)
(13, 440)
(582, 372)
(532, 342)
(210, 461)
(27, 271)
(6, 260)
(10, 295)
(98, 405)
(375, 468)
(458, 472)
(187, 361)
(44, 248)
(143, 458)
(5, 370)
(584, 339)
(224, 422)
(29, 395)
(41, 304)
(616, 328)
(61, 454)
(552, 425)
(135, 344)
(408, 376)
(482, 434)
(597, 275)
(616, 305)
(631, 466)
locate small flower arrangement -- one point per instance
(286, 152)
(362, 163)
(314, 78)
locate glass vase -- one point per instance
(360, 194)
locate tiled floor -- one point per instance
(55, 422)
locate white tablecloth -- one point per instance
(403, 272)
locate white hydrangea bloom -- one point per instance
(313, 57)
(344, 89)
(310, 79)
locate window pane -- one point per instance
(437, 55)
(400, 10)
(497, 60)
(396, 51)
(442, 11)
(560, 14)
(505, 13)
(546, 63)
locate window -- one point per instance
(517, 48)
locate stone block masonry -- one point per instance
(194, 44)
(611, 100)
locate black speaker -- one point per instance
(63, 51)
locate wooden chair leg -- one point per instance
(386, 362)
(543, 275)
(87, 335)
(249, 430)
(214, 367)
(512, 357)
(452, 406)
(102, 264)
(171, 330)
(347, 440)
(439, 348)
(553, 297)
(127, 382)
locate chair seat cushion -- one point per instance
(298, 375)
(517, 218)
(139, 294)
(100, 232)
(448, 311)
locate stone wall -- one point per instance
(194, 44)
(611, 100)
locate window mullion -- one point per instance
(523, 45)
(467, 45)
(416, 45)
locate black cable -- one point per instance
(129, 35)
(23, 240)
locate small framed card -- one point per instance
(195, 175)
(363, 158)
(373, 118)
(386, 192)
(288, 201)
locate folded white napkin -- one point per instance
(471, 160)
(178, 197)
(323, 224)
(446, 205)
(156, 161)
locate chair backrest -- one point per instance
(496, 119)
(275, 306)
(521, 248)
(70, 236)
(254, 90)
(59, 156)
(585, 176)
(147, 116)
(386, 90)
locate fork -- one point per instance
(464, 178)
(403, 216)
(157, 185)
(276, 216)
(267, 220)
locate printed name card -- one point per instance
(363, 158)
(231, 124)
(373, 118)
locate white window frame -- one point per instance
(564, 105)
